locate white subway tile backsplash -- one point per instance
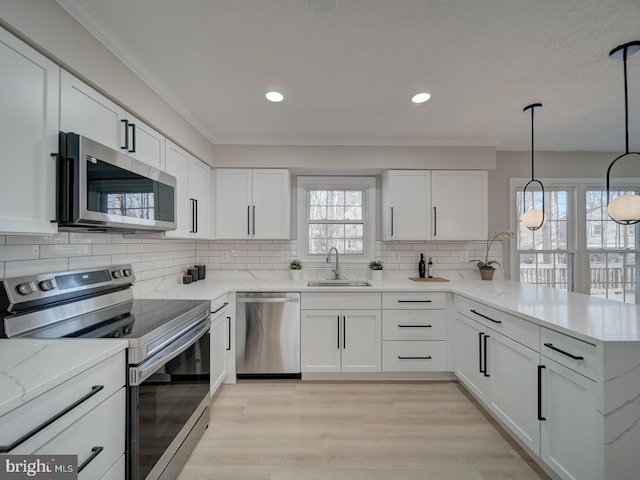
(35, 267)
(19, 252)
(57, 251)
(109, 249)
(37, 239)
(90, 237)
(79, 263)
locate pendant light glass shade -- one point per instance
(625, 209)
(534, 218)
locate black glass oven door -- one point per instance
(162, 404)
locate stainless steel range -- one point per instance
(168, 355)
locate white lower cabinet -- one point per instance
(220, 341)
(513, 387)
(94, 429)
(469, 340)
(569, 438)
(340, 340)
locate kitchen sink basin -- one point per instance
(339, 283)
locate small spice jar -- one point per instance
(193, 271)
(186, 279)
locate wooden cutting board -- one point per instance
(434, 279)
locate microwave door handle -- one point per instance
(139, 374)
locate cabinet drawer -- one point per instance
(219, 307)
(340, 301)
(110, 374)
(522, 331)
(414, 325)
(116, 472)
(414, 300)
(414, 356)
(563, 348)
(103, 427)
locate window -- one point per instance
(336, 212)
(579, 248)
(612, 250)
(545, 256)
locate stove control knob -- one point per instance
(26, 288)
(116, 273)
(46, 285)
(127, 272)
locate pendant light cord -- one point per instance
(532, 145)
(626, 103)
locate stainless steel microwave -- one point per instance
(101, 189)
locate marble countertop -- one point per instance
(30, 367)
(592, 319)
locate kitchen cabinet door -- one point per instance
(219, 345)
(199, 195)
(470, 355)
(361, 341)
(86, 112)
(193, 183)
(271, 208)
(233, 203)
(320, 347)
(569, 437)
(513, 382)
(177, 164)
(144, 143)
(406, 205)
(29, 95)
(459, 204)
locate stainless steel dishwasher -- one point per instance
(268, 335)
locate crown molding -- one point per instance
(86, 17)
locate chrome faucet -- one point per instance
(336, 271)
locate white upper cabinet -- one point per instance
(193, 201)
(143, 142)
(459, 204)
(87, 112)
(253, 203)
(29, 95)
(434, 205)
(406, 205)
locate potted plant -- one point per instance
(486, 266)
(295, 266)
(376, 269)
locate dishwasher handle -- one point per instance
(268, 300)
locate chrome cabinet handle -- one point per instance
(95, 451)
(94, 390)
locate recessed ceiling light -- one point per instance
(274, 97)
(421, 97)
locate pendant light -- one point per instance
(534, 218)
(624, 209)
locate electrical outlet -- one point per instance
(464, 255)
(225, 256)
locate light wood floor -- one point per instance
(357, 431)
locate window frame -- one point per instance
(577, 224)
(367, 185)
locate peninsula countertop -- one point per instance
(591, 319)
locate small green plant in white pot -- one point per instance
(295, 267)
(376, 268)
(486, 266)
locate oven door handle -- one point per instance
(139, 374)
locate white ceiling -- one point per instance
(348, 76)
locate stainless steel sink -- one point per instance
(339, 283)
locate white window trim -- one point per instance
(368, 184)
(577, 245)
